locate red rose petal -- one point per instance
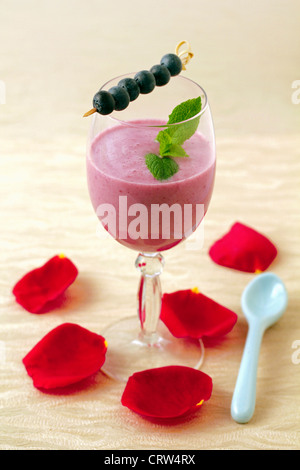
(191, 314)
(166, 392)
(243, 249)
(44, 284)
(66, 355)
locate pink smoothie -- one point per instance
(138, 210)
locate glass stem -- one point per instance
(149, 295)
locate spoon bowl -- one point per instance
(264, 301)
(264, 298)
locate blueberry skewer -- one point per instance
(118, 97)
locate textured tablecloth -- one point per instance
(54, 55)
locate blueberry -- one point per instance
(132, 88)
(120, 96)
(145, 81)
(173, 63)
(161, 74)
(103, 102)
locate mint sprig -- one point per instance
(173, 137)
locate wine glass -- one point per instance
(149, 215)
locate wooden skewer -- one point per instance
(91, 111)
(186, 55)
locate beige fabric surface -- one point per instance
(53, 57)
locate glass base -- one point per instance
(127, 352)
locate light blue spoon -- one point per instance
(263, 302)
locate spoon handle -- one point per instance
(244, 396)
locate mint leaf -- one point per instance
(173, 137)
(165, 140)
(161, 168)
(175, 150)
(185, 110)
